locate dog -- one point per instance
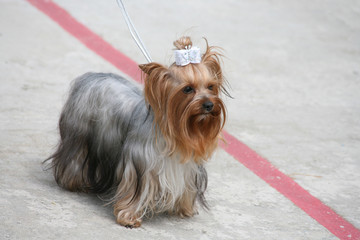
(147, 149)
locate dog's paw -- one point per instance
(134, 224)
(127, 220)
(185, 213)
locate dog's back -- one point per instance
(93, 126)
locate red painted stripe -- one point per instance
(290, 189)
(260, 166)
(88, 38)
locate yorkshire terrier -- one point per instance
(145, 149)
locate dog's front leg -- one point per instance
(127, 217)
(185, 206)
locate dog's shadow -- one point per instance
(94, 203)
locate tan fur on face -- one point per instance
(187, 129)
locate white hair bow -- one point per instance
(189, 55)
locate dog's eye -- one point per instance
(188, 90)
(211, 87)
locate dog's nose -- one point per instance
(208, 106)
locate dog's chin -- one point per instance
(206, 116)
(201, 117)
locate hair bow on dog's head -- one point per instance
(189, 55)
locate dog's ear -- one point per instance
(212, 59)
(151, 67)
(157, 86)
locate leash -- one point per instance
(133, 31)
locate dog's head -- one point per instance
(186, 102)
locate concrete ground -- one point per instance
(294, 71)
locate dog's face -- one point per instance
(186, 104)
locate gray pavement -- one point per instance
(294, 71)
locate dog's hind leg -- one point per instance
(69, 161)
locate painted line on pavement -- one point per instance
(249, 158)
(290, 189)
